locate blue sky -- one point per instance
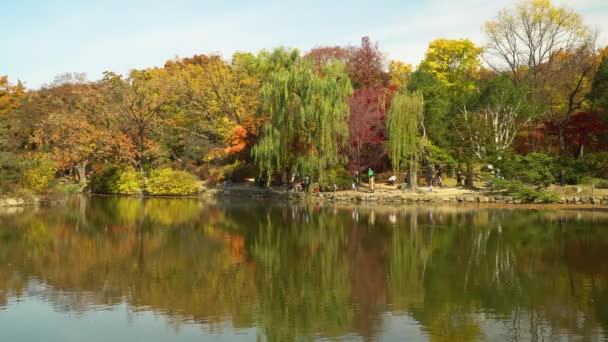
(44, 38)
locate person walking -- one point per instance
(371, 175)
(355, 180)
(439, 179)
(306, 184)
(458, 178)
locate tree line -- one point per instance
(532, 98)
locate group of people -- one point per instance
(299, 184)
(371, 175)
(434, 177)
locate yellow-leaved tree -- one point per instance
(455, 63)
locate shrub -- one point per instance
(10, 172)
(69, 189)
(117, 181)
(37, 174)
(520, 191)
(533, 168)
(594, 165)
(340, 177)
(172, 182)
(240, 171)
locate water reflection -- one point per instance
(313, 271)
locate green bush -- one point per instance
(593, 165)
(521, 191)
(533, 168)
(71, 189)
(340, 177)
(37, 174)
(10, 172)
(116, 181)
(172, 182)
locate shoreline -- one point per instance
(346, 197)
(490, 200)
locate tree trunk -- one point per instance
(413, 174)
(81, 169)
(141, 148)
(469, 183)
(562, 139)
(531, 140)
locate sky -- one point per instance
(41, 39)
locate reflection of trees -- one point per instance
(193, 274)
(308, 271)
(303, 276)
(409, 257)
(514, 265)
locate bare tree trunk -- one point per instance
(81, 169)
(531, 140)
(562, 139)
(469, 183)
(413, 174)
(141, 148)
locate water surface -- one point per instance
(117, 269)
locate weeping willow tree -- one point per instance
(403, 126)
(308, 111)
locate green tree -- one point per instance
(403, 123)
(437, 106)
(599, 86)
(308, 115)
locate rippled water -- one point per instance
(112, 269)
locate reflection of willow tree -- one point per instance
(410, 254)
(303, 277)
(425, 284)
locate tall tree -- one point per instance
(399, 73)
(530, 38)
(213, 100)
(76, 129)
(11, 99)
(598, 95)
(438, 104)
(405, 129)
(568, 87)
(367, 126)
(366, 66)
(455, 63)
(308, 116)
(324, 54)
(138, 105)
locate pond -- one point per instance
(123, 269)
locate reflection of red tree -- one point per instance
(367, 275)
